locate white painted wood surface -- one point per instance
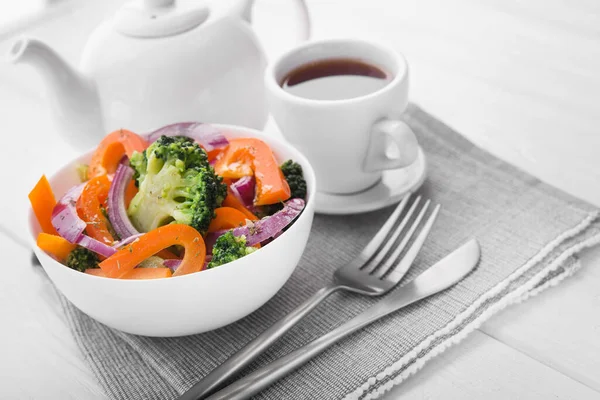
(521, 79)
(482, 368)
(38, 357)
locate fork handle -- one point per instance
(262, 378)
(215, 379)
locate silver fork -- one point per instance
(374, 272)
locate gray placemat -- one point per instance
(529, 233)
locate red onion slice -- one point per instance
(64, 216)
(173, 264)
(209, 137)
(126, 241)
(117, 213)
(244, 189)
(261, 230)
(96, 246)
(68, 224)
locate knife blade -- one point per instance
(443, 274)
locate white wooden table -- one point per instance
(521, 79)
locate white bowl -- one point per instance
(193, 303)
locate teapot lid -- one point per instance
(159, 18)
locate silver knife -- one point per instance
(445, 273)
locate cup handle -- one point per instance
(380, 157)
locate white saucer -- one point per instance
(393, 186)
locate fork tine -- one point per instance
(377, 258)
(402, 267)
(370, 249)
(391, 260)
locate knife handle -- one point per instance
(264, 377)
(444, 274)
(214, 380)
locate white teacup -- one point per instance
(347, 141)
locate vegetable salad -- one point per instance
(175, 201)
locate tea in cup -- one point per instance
(340, 102)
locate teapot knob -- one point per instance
(158, 3)
(159, 18)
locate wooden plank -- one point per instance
(559, 327)
(39, 357)
(483, 368)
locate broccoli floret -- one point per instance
(229, 248)
(176, 184)
(81, 259)
(295, 178)
(138, 162)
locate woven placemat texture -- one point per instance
(529, 233)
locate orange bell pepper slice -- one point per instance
(166, 255)
(247, 156)
(234, 162)
(227, 218)
(213, 154)
(126, 259)
(55, 245)
(42, 202)
(137, 273)
(112, 148)
(234, 202)
(92, 197)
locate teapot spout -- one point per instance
(73, 96)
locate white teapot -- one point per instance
(154, 63)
